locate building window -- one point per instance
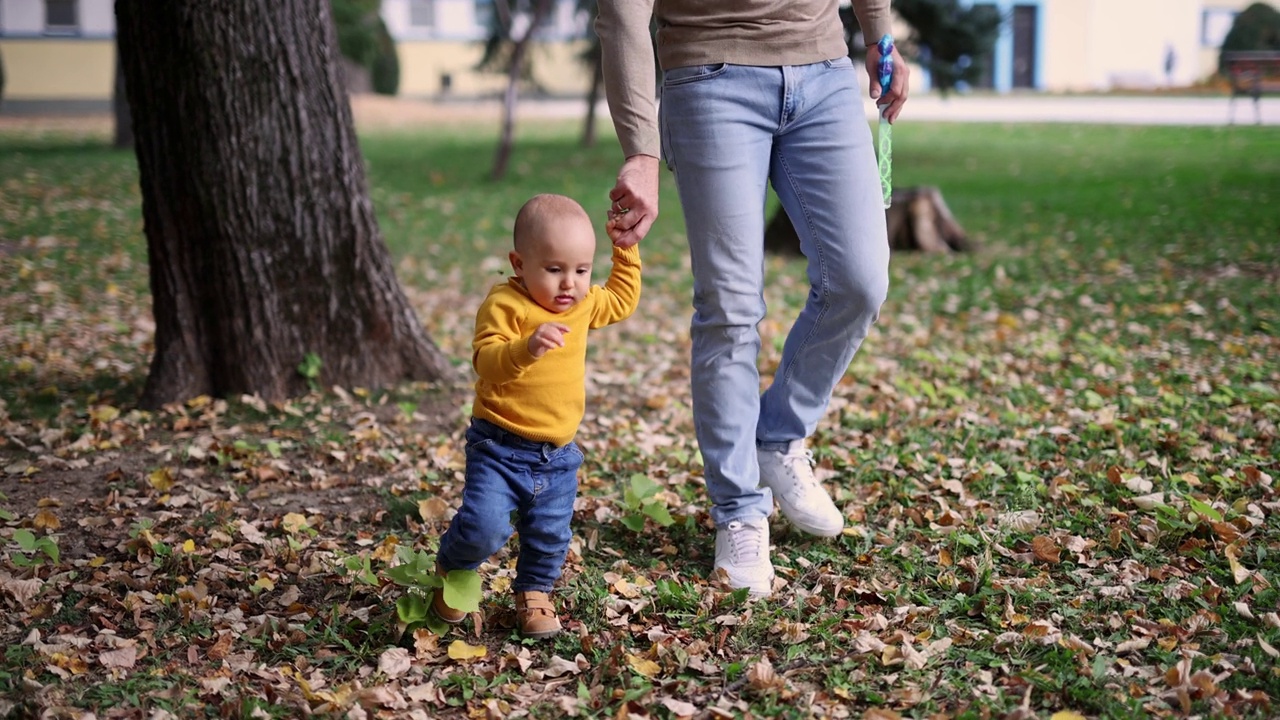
(1215, 23)
(61, 16)
(422, 13)
(484, 13)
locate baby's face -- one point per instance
(557, 270)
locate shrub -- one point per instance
(1257, 27)
(385, 69)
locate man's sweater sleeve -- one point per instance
(629, 73)
(873, 18)
(500, 353)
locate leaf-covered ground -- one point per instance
(1057, 456)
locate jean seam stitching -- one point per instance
(820, 258)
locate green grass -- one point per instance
(1114, 336)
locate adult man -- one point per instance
(757, 92)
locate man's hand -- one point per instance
(548, 336)
(634, 200)
(891, 102)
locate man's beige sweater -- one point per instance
(702, 32)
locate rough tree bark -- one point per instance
(261, 237)
(917, 219)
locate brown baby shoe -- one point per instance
(442, 610)
(536, 616)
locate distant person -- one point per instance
(1170, 61)
(529, 352)
(755, 94)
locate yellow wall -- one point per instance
(58, 69)
(83, 69)
(1110, 44)
(555, 67)
(1066, 27)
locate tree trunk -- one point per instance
(593, 98)
(120, 108)
(917, 219)
(515, 70)
(261, 238)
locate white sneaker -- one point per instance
(742, 551)
(802, 498)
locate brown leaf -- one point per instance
(221, 648)
(394, 662)
(1045, 549)
(119, 658)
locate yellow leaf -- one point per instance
(97, 561)
(461, 650)
(161, 479)
(46, 520)
(1239, 572)
(626, 589)
(189, 546)
(1066, 715)
(103, 413)
(387, 550)
(264, 583)
(294, 523)
(644, 666)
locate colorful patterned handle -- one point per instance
(885, 130)
(886, 63)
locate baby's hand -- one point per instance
(548, 336)
(614, 228)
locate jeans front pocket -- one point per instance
(691, 74)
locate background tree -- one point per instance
(593, 58)
(511, 32)
(120, 108)
(367, 45)
(264, 253)
(952, 42)
(1257, 27)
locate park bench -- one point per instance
(1252, 74)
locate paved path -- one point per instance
(375, 111)
(1127, 110)
(1088, 109)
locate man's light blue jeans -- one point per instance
(507, 473)
(727, 130)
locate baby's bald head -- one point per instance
(544, 217)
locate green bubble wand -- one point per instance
(884, 133)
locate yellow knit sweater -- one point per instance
(543, 399)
